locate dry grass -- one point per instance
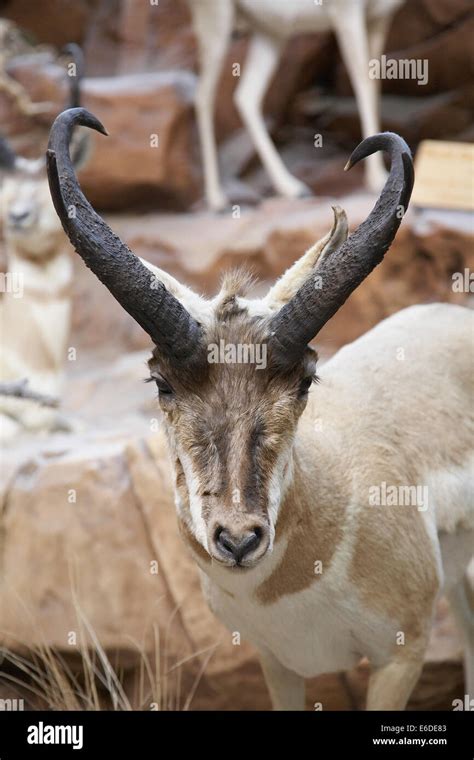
(48, 679)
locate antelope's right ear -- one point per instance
(294, 277)
(8, 157)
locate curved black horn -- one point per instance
(75, 52)
(8, 156)
(298, 321)
(162, 316)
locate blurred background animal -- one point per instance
(36, 305)
(361, 28)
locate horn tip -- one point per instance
(93, 121)
(83, 117)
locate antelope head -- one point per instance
(233, 374)
(29, 220)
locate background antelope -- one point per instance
(273, 484)
(35, 309)
(361, 29)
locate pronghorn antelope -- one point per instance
(274, 484)
(35, 308)
(361, 29)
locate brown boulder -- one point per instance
(149, 160)
(417, 20)
(441, 33)
(127, 169)
(128, 36)
(436, 117)
(53, 21)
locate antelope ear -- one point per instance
(196, 305)
(294, 277)
(81, 148)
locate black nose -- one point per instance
(237, 548)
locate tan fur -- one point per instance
(35, 326)
(313, 536)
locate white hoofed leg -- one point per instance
(213, 26)
(287, 690)
(461, 601)
(391, 685)
(262, 59)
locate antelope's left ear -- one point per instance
(81, 148)
(8, 157)
(196, 305)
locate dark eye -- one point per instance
(163, 386)
(305, 385)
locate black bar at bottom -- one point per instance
(138, 734)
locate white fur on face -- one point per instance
(280, 479)
(28, 199)
(195, 501)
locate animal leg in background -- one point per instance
(213, 30)
(262, 60)
(353, 39)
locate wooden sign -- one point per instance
(444, 175)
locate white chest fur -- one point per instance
(323, 628)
